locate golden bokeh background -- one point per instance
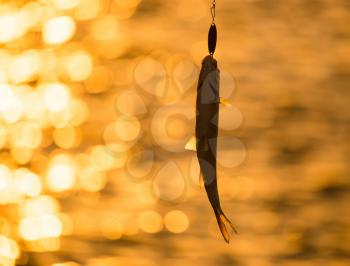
(96, 105)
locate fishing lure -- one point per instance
(207, 119)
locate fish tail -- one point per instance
(221, 219)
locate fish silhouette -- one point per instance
(207, 119)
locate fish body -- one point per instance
(207, 119)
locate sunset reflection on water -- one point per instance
(97, 103)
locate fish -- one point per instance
(206, 134)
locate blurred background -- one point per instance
(97, 102)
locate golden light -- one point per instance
(130, 103)
(228, 85)
(8, 27)
(96, 109)
(87, 9)
(241, 188)
(99, 81)
(26, 135)
(56, 96)
(111, 228)
(8, 192)
(60, 119)
(67, 224)
(166, 123)
(232, 152)
(69, 263)
(150, 75)
(140, 164)
(185, 75)
(31, 14)
(3, 136)
(3, 76)
(58, 30)
(27, 182)
(14, 110)
(230, 118)
(169, 187)
(38, 206)
(130, 226)
(197, 49)
(21, 155)
(124, 9)
(79, 112)
(5, 178)
(102, 159)
(79, 66)
(34, 108)
(25, 66)
(50, 226)
(128, 128)
(177, 127)
(44, 226)
(8, 249)
(176, 221)
(105, 28)
(61, 175)
(112, 48)
(119, 151)
(127, 3)
(66, 4)
(43, 244)
(6, 96)
(51, 59)
(113, 142)
(40, 221)
(92, 180)
(145, 196)
(191, 10)
(150, 221)
(5, 227)
(193, 172)
(65, 137)
(123, 70)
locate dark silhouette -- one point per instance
(207, 106)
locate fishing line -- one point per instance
(212, 10)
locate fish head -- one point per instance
(209, 63)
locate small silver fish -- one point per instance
(207, 107)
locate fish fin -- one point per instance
(225, 102)
(229, 222)
(201, 180)
(191, 144)
(225, 234)
(221, 218)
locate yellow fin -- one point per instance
(223, 229)
(225, 102)
(221, 219)
(191, 144)
(222, 216)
